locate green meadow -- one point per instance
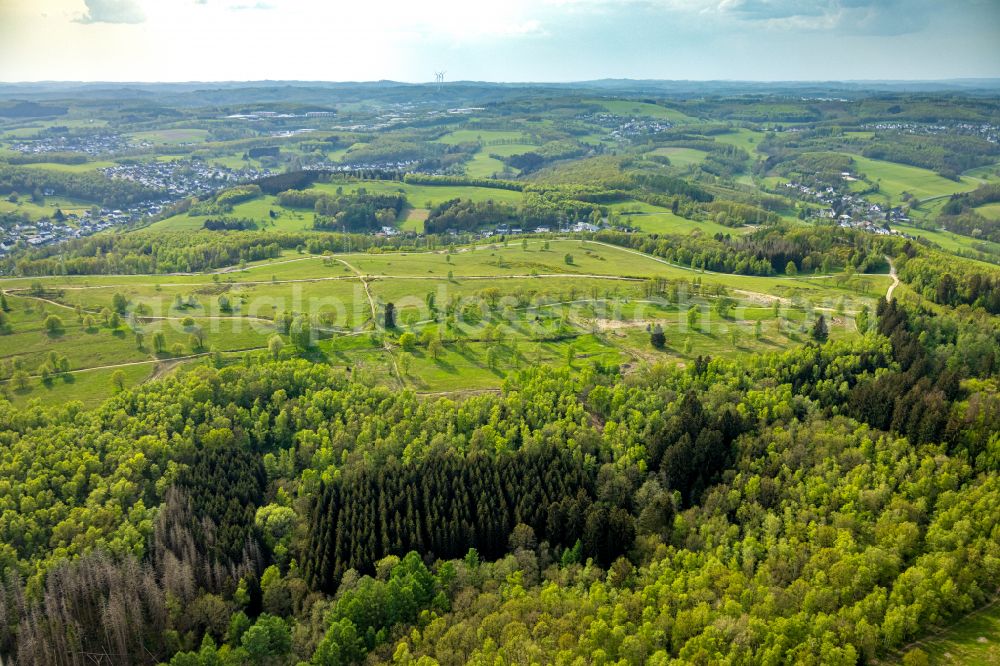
(893, 179)
(569, 302)
(633, 108)
(681, 157)
(172, 136)
(973, 640)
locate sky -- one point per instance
(502, 40)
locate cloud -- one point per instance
(112, 11)
(868, 17)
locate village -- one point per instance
(849, 210)
(183, 178)
(176, 180)
(622, 128)
(56, 140)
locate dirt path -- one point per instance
(895, 280)
(175, 360)
(371, 303)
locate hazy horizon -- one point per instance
(553, 41)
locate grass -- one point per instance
(972, 641)
(656, 219)
(630, 108)
(595, 307)
(894, 179)
(484, 136)
(175, 136)
(682, 157)
(746, 139)
(70, 168)
(420, 195)
(990, 211)
(255, 209)
(91, 387)
(35, 211)
(990, 172)
(413, 219)
(951, 241)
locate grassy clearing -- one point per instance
(630, 108)
(894, 179)
(972, 641)
(35, 211)
(481, 136)
(682, 157)
(951, 241)
(420, 195)
(70, 168)
(595, 307)
(91, 387)
(175, 136)
(483, 166)
(256, 209)
(742, 138)
(413, 219)
(990, 211)
(990, 172)
(656, 219)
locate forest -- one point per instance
(463, 373)
(280, 512)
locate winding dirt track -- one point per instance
(895, 280)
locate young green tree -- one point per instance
(53, 325)
(159, 342)
(118, 380)
(408, 341)
(694, 318)
(405, 363)
(119, 302)
(19, 379)
(274, 346)
(790, 268)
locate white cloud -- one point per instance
(112, 11)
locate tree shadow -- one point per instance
(442, 363)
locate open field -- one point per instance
(420, 195)
(633, 108)
(656, 219)
(990, 211)
(894, 179)
(36, 211)
(542, 307)
(742, 138)
(972, 641)
(70, 168)
(681, 157)
(951, 241)
(483, 136)
(172, 136)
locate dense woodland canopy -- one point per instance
(751, 511)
